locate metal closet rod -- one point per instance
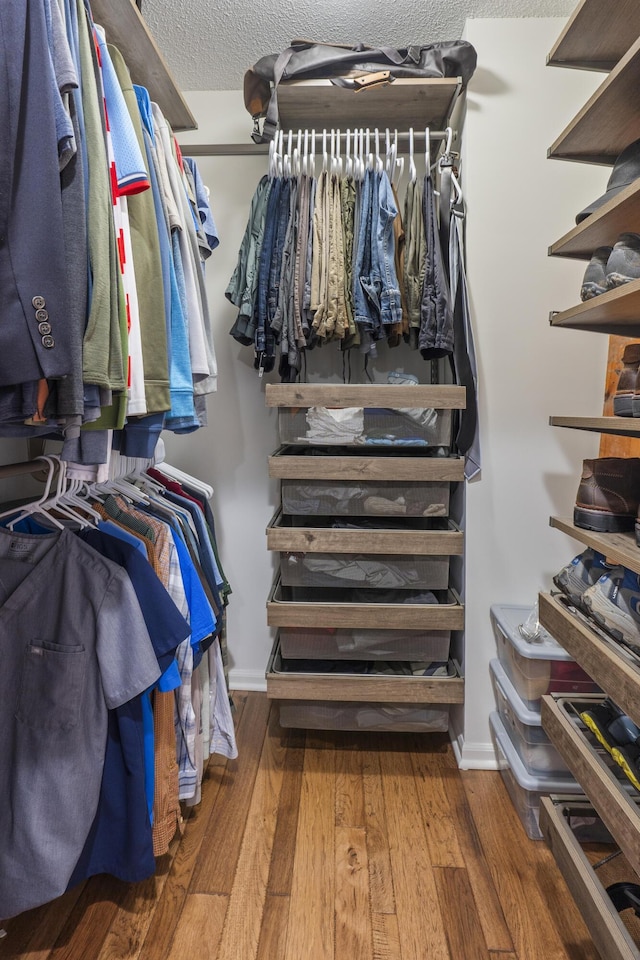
(261, 149)
(9, 470)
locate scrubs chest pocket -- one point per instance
(51, 685)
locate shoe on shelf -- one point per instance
(611, 727)
(628, 757)
(625, 399)
(583, 571)
(595, 277)
(608, 494)
(613, 603)
(623, 264)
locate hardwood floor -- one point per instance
(323, 846)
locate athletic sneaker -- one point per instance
(628, 757)
(611, 727)
(583, 571)
(613, 602)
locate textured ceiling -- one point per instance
(208, 45)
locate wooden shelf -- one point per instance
(402, 104)
(618, 547)
(365, 395)
(609, 121)
(360, 688)
(605, 661)
(617, 809)
(402, 542)
(616, 313)
(609, 933)
(618, 426)
(288, 466)
(597, 35)
(618, 215)
(126, 30)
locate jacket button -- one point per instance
(48, 342)
(42, 315)
(38, 303)
(44, 327)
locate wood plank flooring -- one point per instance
(323, 846)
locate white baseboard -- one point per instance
(474, 756)
(247, 680)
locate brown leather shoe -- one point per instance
(627, 395)
(609, 494)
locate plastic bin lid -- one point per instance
(524, 714)
(527, 780)
(509, 617)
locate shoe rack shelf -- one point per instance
(598, 36)
(437, 540)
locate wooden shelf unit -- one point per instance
(609, 121)
(596, 36)
(126, 30)
(618, 426)
(606, 125)
(616, 312)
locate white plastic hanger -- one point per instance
(413, 173)
(324, 151)
(427, 150)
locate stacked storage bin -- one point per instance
(364, 547)
(524, 671)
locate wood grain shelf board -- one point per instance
(616, 313)
(608, 931)
(617, 547)
(126, 30)
(378, 616)
(618, 426)
(596, 35)
(609, 121)
(604, 661)
(619, 214)
(402, 104)
(365, 395)
(616, 808)
(383, 689)
(403, 542)
(369, 469)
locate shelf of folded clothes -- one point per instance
(595, 877)
(348, 470)
(617, 547)
(597, 35)
(359, 681)
(361, 608)
(598, 760)
(396, 415)
(615, 665)
(609, 121)
(368, 535)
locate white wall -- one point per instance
(519, 202)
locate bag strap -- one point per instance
(271, 118)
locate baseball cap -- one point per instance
(626, 169)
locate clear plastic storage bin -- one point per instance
(362, 644)
(395, 717)
(535, 668)
(523, 725)
(367, 498)
(365, 571)
(368, 426)
(524, 788)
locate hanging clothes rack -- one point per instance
(260, 149)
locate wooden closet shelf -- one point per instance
(126, 30)
(608, 663)
(616, 313)
(399, 105)
(385, 395)
(609, 933)
(609, 121)
(286, 465)
(402, 542)
(597, 35)
(617, 809)
(618, 547)
(602, 228)
(618, 426)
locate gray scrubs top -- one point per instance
(73, 644)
